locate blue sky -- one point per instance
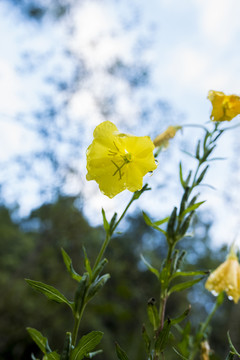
(191, 47)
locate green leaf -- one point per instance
(87, 262)
(163, 336)
(171, 224)
(146, 339)
(39, 339)
(67, 347)
(120, 352)
(99, 268)
(86, 344)
(183, 345)
(184, 200)
(207, 153)
(201, 176)
(97, 285)
(192, 208)
(183, 286)
(150, 267)
(105, 222)
(181, 317)
(153, 314)
(81, 293)
(188, 273)
(49, 291)
(160, 222)
(184, 227)
(147, 219)
(68, 262)
(154, 224)
(113, 222)
(178, 353)
(198, 150)
(179, 260)
(181, 176)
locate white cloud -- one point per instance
(219, 21)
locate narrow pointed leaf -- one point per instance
(97, 285)
(178, 353)
(68, 262)
(188, 273)
(163, 336)
(198, 150)
(181, 176)
(105, 222)
(67, 347)
(201, 176)
(148, 221)
(86, 344)
(99, 268)
(171, 224)
(49, 291)
(39, 339)
(192, 208)
(153, 315)
(120, 352)
(183, 229)
(154, 225)
(87, 262)
(150, 267)
(81, 293)
(184, 200)
(183, 286)
(146, 339)
(181, 317)
(160, 222)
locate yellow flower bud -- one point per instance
(226, 278)
(224, 107)
(163, 138)
(205, 350)
(118, 161)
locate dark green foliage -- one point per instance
(120, 309)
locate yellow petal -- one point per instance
(118, 161)
(225, 278)
(224, 107)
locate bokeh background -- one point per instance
(66, 66)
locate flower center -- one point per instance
(121, 158)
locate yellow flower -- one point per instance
(163, 138)
(118, 161)
(226, 278)
(225, 107)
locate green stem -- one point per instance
(162, 310)
(102, 250)
(76, 325)
(199, 336)
(110, 232)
